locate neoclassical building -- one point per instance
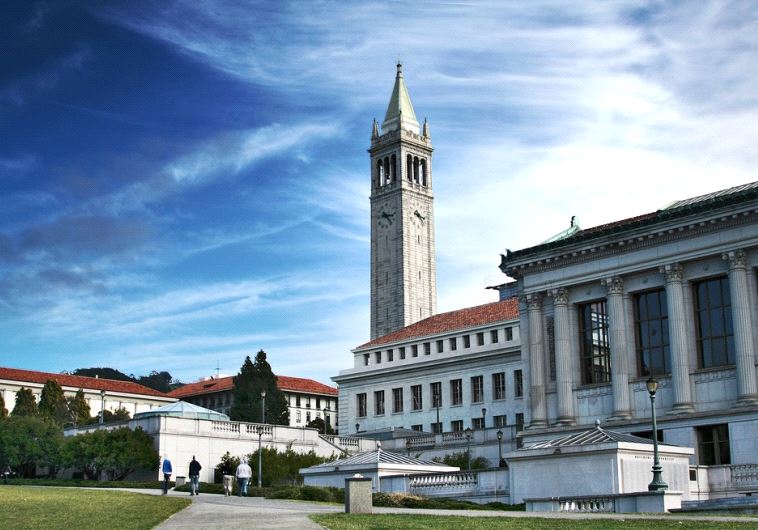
(670, 294)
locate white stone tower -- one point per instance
(403, 271)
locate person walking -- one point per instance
(244, 473)
(167, 470)
(228, 473)
(194, 476)
(6, 472)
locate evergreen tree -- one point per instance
(25, 403)
(253, 379)
(277, 412)
(318, 423)
(52, 403)
(3, 410)
(78, 409)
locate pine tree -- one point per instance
(78, 409)
(52, 403)
(253, 379)
(25, 403)
(3, 410)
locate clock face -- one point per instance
(386, 216)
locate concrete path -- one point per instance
(217, 511)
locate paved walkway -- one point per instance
(217, 511)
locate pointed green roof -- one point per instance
(400, 110)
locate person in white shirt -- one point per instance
(244, 473)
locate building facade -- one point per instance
(110, 393)
(670, 294)
(306, 399)
(403, 272)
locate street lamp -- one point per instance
(259, 430)
(657, 484)
(468, 432)
(325, 409)
(357, 427)
(484, 422)
(501, 460)
(408, 446)
(263, 406)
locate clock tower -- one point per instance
(403, 271)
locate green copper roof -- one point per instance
(400, 101)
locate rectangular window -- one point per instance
(715, 336)
(500, 421)
(308, 402)
(477, 389)
(436, 391)
(366, 358)
(440, 346)
(595, 347)
(427, 348)
(378, 357)
(477, 423)
(456, 425)
(453, 344)
(508, 334)
(493, 336)
(437, 428)
(480, 339)
(416, 399)
(456, 392)
(417, 428)
(498, 385)
(308, 417)
(414, 350)
(297, 401)
(318, 403)
(402, 352)
(361, 404)
(518, 383)
(379, 403)
(299, 416)
(519, 421)
(328, 404)
(397, 400)
(390, 356)
(652, 325)
(467, 341)
(713, 445)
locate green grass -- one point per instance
(62, 508)
(80, 483)
(453, 522)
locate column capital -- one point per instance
(560, 296)
(736, 258)
(534, 301)
(614, 285)
(674, 272)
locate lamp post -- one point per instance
(263, 406)
(657, 484)
(259, 430)
(357, 427)
(324, 411)
(408, 447)
(484, 414)
(501, 462)
(102, 407)
(468, 432)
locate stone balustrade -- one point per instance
(745, 475)
(588, 505)
(461, 479)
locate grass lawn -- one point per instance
(62, 508)
(454, 522)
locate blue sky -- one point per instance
(184, 183)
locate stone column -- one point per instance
(563, 372)
(747, 387)
(617, 336)
(679, 345)
(538, 403)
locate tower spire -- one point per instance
(400, 114)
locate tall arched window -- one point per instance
(423, 171)
(393, 168)
(409, 170)
(378, 173)
(387, 175)
(415, 169)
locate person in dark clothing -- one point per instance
(194, 476)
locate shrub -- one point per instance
(399, 500)
(460, 460)
(283, 468)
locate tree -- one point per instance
(78, 409)
(283, 468)
(228, 463)
(52, 403)
(160, 381)
(104, 373)
(113, 454)
(253, 379)
(25, 403)
(30, 442)
(3, 410)
(460, 459)
(318, 423)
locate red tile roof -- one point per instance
(292, 384)
(454, 320)
(78, 381)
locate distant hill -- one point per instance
(161, 381)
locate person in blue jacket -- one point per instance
(167, 470)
